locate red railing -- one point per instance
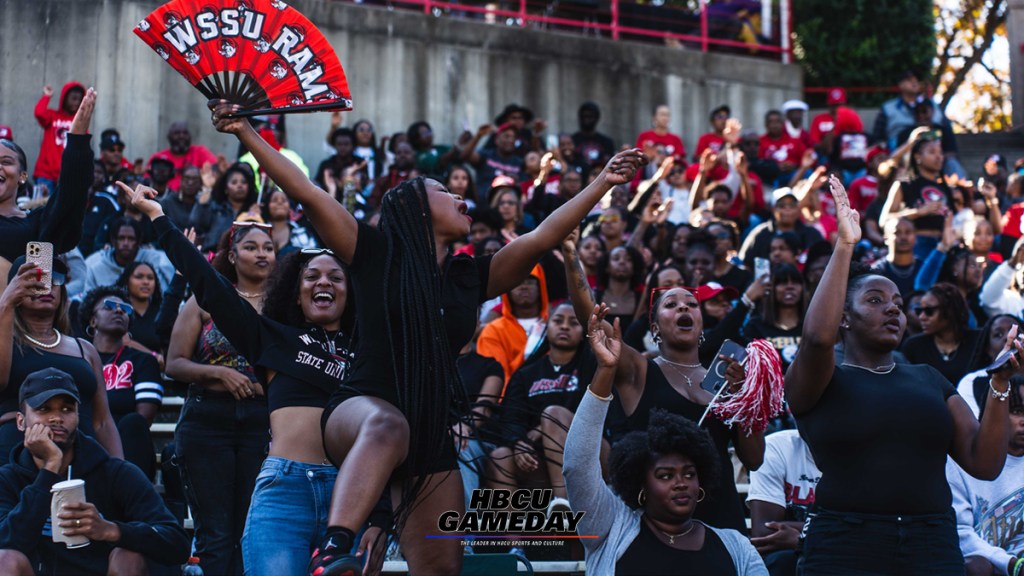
(710, 29)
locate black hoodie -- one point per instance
(118, 489)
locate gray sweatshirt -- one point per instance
(606, 515)
(988, 514)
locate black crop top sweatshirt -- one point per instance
(309, 362)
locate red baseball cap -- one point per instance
(503, 181)
(876, 151)
(712, 289)
(6, 132)
(836, 96)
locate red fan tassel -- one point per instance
(760, 399)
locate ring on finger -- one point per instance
(78, 522)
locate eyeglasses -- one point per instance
(112, 305)
(926, 310)
(57, 278)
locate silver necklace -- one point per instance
(876, 369)
(672, 537)
(698, 365)
(42, 345)
(689, 383)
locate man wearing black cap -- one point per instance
(123, 516)
(521, 118)
(112, 155)
(714, 139)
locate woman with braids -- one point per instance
(992, 339)
(392, 413)
(946, 343)
(880, 431)
(672, 381)
(299, 351)
(661, 476)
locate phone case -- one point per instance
(41, 254)
(715, 378)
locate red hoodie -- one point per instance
(55, 124)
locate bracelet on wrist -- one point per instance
(601, 398)
(997, 395)
(747, 301)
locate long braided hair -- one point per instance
(425, 373)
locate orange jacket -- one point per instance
(504, 339)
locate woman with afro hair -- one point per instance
(659, 476)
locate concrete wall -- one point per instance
(402, 66)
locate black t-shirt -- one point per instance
(463, 289)
(648, 555)
(491, 165)
(921, 349)
(537, 385)
(143, 328)
(595, 149)
(902, 276)
(738, 278)
(921, 190)
(786, 342)
(131, 376)
(881, 441)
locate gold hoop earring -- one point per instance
(703, 495)
(641, 498)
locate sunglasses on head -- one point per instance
(313, 252)
(112, 305)
(926, 310)
(654, 296)
(237, 226)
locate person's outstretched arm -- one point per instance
(335, 225)
(812, 368)
(511, 264)
(61, 220)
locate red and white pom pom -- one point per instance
(760, 399)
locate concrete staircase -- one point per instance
(976, 148)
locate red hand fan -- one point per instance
(260, 54)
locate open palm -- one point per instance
(847, 218)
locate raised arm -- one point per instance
(511, 264)
(469, 153)
(631, 362)
(335, 225)
(61, 221)
(235, 317)
(811, 370)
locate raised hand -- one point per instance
(142, 198)
(48, 91)
(623, 166)
(732, 131)
(80, 125)
(846, 217)
(23, 286)
(222, 115)
(606, 347)
(950, 238)
(208, 176)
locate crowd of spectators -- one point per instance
(746, 220)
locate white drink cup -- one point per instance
(67, 492)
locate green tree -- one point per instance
(863, 42)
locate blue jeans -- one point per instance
(471, 465)
(861, 544)
(287, 517)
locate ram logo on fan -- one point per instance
(183, 37)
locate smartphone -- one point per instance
(762, 268)
(1002, 359)
(715, 378)
(41, 254)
